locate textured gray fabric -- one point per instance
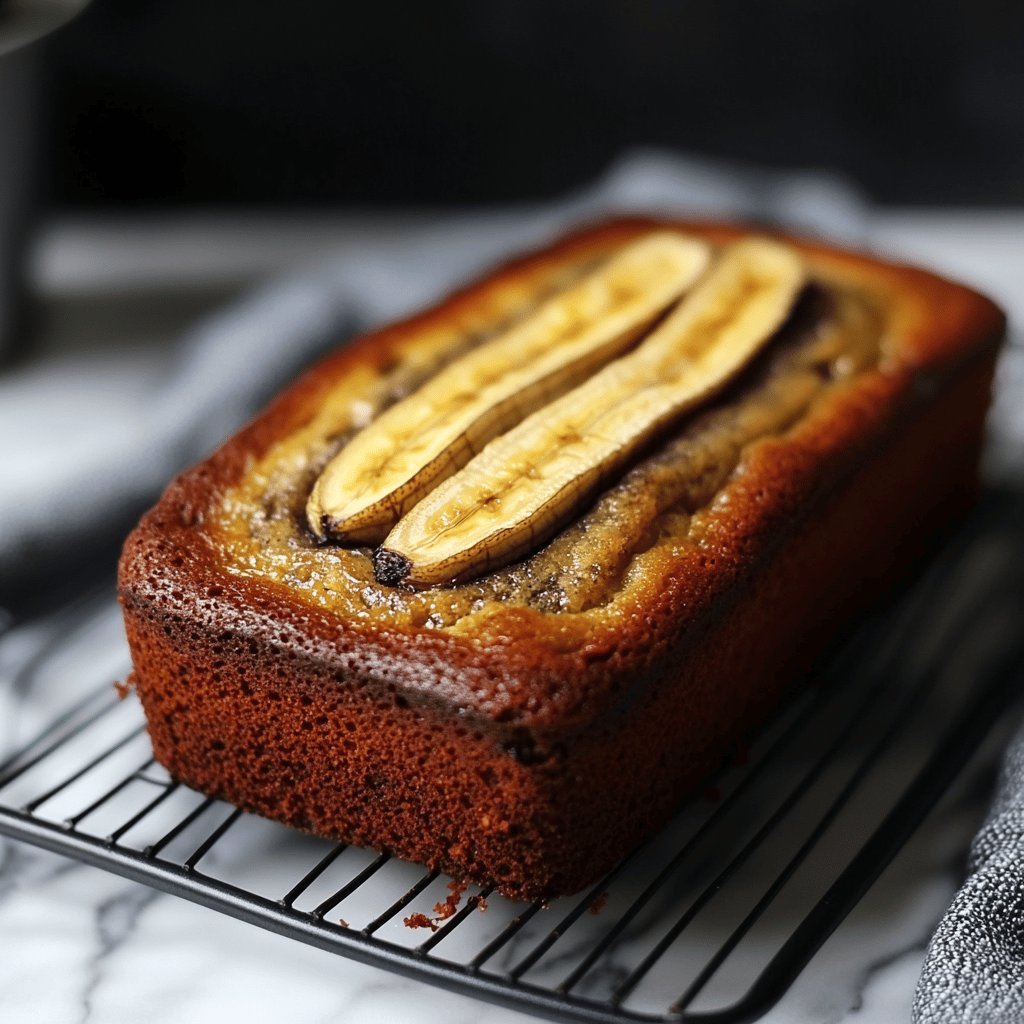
(231, 363)
(974, 971)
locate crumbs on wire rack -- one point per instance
(122, 687)
(444, 909)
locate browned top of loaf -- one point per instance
(536, 644)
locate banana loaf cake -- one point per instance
(495, 587)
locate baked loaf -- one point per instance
(529, 715)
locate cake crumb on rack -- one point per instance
(443, 909)
(122, 687)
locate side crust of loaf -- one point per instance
(529, 755)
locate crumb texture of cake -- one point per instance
(529, 723)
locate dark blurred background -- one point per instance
(462, 101)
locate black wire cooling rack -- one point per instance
(711, 921)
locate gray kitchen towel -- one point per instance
(55, 493)
(974, 970)
(225, 368)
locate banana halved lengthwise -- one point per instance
(388, 467)
(526, 484)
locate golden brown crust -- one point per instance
(483, 735)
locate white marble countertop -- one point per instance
(82, 945)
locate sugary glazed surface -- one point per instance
(651, 517)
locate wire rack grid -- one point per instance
(710, 921)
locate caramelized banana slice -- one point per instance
(526, 484)
(420, 441)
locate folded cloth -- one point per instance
(59, 493)
(974, 970)
(225, 368)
